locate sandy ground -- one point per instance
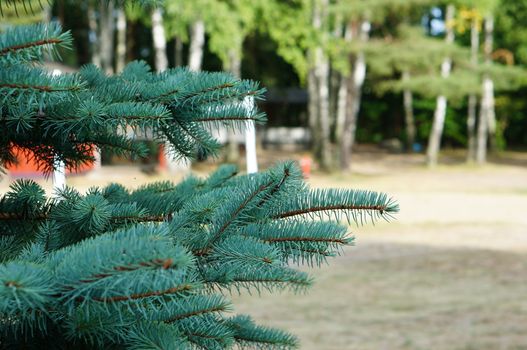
(449, 273)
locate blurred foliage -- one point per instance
(273, 38)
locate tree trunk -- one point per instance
(323, 109)
(472, 99)
(94, 36)
(234, 67)
(471, 127)
(336, 80)
(197, 40)
(178, 52)
(106, 28)
(323, 86)
(483, 122)
(313, 91)
(353, 100)
(342, 92)
(120, 59)
(434, 141)
(161, 64)
(313, 109)
(487, 117)
(160, 41)
(409, 115)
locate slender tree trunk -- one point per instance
(336, 80)
(313, 108)
(312, 85)
(353, 100)
(323, 109)
(161, 63)
(487, 115)
(197, 40)
(408, 102)
(471, 127)
(106, 28)
(342, 91)
(434, 141)
(234, 67)
(160, 41)
(472, 99)
(322, 72)
(120, 59)
(178, 52)
(491, 116)
(94, 36)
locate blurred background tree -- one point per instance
(348, 70)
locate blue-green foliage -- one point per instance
(78, 113)
(108, 268)
(149, 268)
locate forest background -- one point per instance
(348, 70)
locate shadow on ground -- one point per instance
(405, 296)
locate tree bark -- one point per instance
(472, 99)
(336, 79)
(160, 41)
(312, 86)
(323, 109)
(94, 36)
(161, 64)
(487, 117)
(313, 108)
(197, 40)
(353, 100)
(234, 67)
(106, 32)
(120, 59)
(408, 103)
(321, 128)
(434, 140)
(491, 115)
(342, 92)
(178, 52)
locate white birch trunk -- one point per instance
(355, 84)
(313, 109)
(336, 77)
(59, 176)
(483, 126)
(234, 67)
(197, 40)
(321, 73)
(408, 114)
(312, 86)
(161, 63)
(120, 58)
(319, 85)
(93, 36)
(160, 41)
(323, 108)
(250, 140)
(342, 93)
(106, 31)
(491, 113)
(487, 117)
(472, 99)
(434, 140)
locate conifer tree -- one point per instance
(149, 268)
